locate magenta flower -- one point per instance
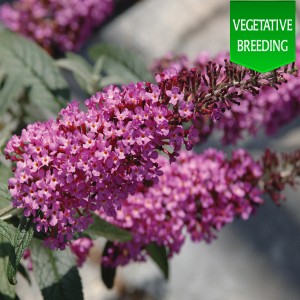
(81, 248)
(56, 25)
(27, 258)
(86, 161)
(200, 193)
(270, 109)
(171, 60)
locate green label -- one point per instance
(262, 33)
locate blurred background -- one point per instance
(257, 259)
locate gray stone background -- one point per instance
(257, 259)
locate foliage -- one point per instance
(31, 70)
(159, 256)
(107, 230)
(56, 273)
(111, 65)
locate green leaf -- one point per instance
(125, 65)
(56, 273)
(98, 65)
(4, 193)
(22, 270)
(10, 92)
(109, 231)
(111, 79)
(7, 291)
(22, 58)
(21, 241)
(81, 70)
(3, 75)
(5, 135)
(108, 273)
(159, 256)
(5, 196)
(7, 231)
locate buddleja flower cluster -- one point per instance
(270, 109)
(85, 161)
(56, 24)
(198, 194)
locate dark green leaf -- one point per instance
(7, 291)
(109, 231)
(21, 241)
(22, 270)
(7, 231)
(22, 58)
(108, 273)
(125, 65)
(159, 256)
(56, 273)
